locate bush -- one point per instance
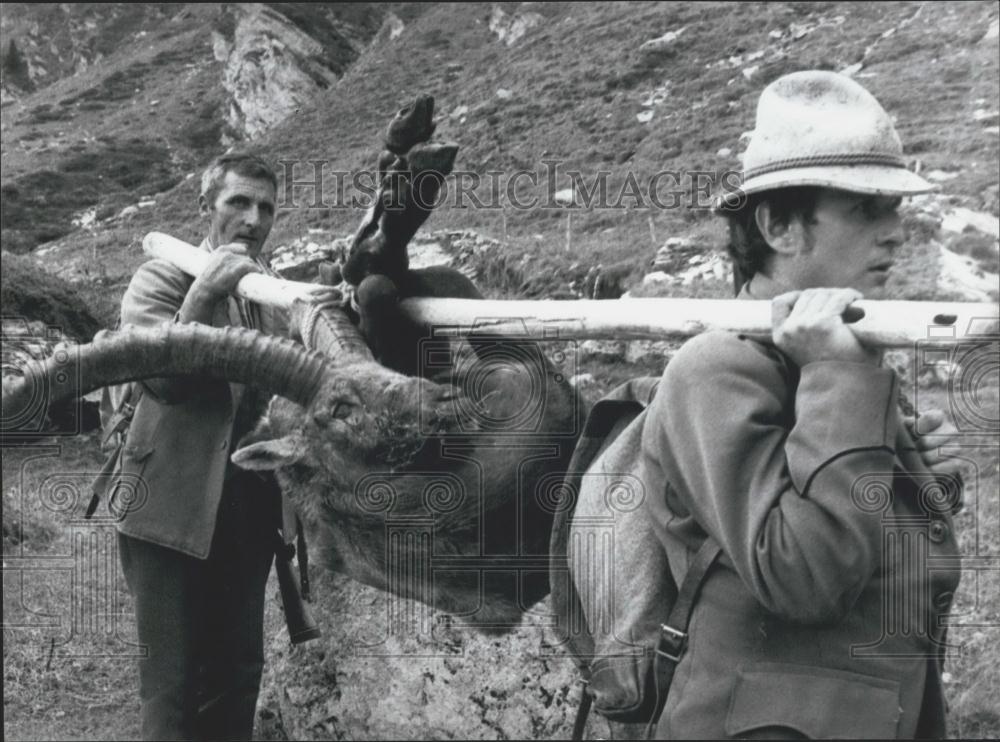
(31, 292)
(980, 247)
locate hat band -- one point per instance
(872, 158)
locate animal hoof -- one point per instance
(411, 124)
(437, 158)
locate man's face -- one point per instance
(243, 211)
(849, 242)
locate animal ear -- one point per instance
(271, 454)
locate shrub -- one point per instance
(32, 292)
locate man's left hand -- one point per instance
(932, 432)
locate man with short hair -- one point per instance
(198, 541)
(821, 617)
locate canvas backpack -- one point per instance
(620, 612)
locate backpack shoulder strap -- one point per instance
(673, 639)
(117, 410)
(673, 633)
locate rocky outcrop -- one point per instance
(387, 668)
(680, 263)
(277, 57)
(964, 242)
(510, 28)
(272, 67)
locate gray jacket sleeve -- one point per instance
(769, 470)
(154, 296)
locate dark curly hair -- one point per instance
(747, 247)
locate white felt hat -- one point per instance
(817, 128)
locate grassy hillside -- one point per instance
(576, 90)
(144, 108)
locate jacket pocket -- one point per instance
(817, 702)
(128, 490)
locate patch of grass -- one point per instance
(119, 86)
(39, 207)
(20, 528)
(45, 113)
(66, 674)
(204, 130)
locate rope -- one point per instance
(873, 158)
(309, 324)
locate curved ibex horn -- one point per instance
(275, 365)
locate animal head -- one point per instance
(364, 417)
(357, 445)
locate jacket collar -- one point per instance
(762, 287)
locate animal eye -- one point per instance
(341, 410)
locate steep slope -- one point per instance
(126, 101)
(614, 91)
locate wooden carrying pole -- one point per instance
(885, 323)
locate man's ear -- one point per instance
(204, 207)
(785, 235)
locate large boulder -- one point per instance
(424, 679)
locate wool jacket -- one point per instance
(176, 456)
(824, 615)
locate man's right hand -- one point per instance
(808, 326)
(227, 265)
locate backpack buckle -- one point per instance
(119, 422)
(673, 642)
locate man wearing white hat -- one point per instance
(821, 617)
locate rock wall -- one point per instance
(278, 57)
(272, 67)
(424, 679)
